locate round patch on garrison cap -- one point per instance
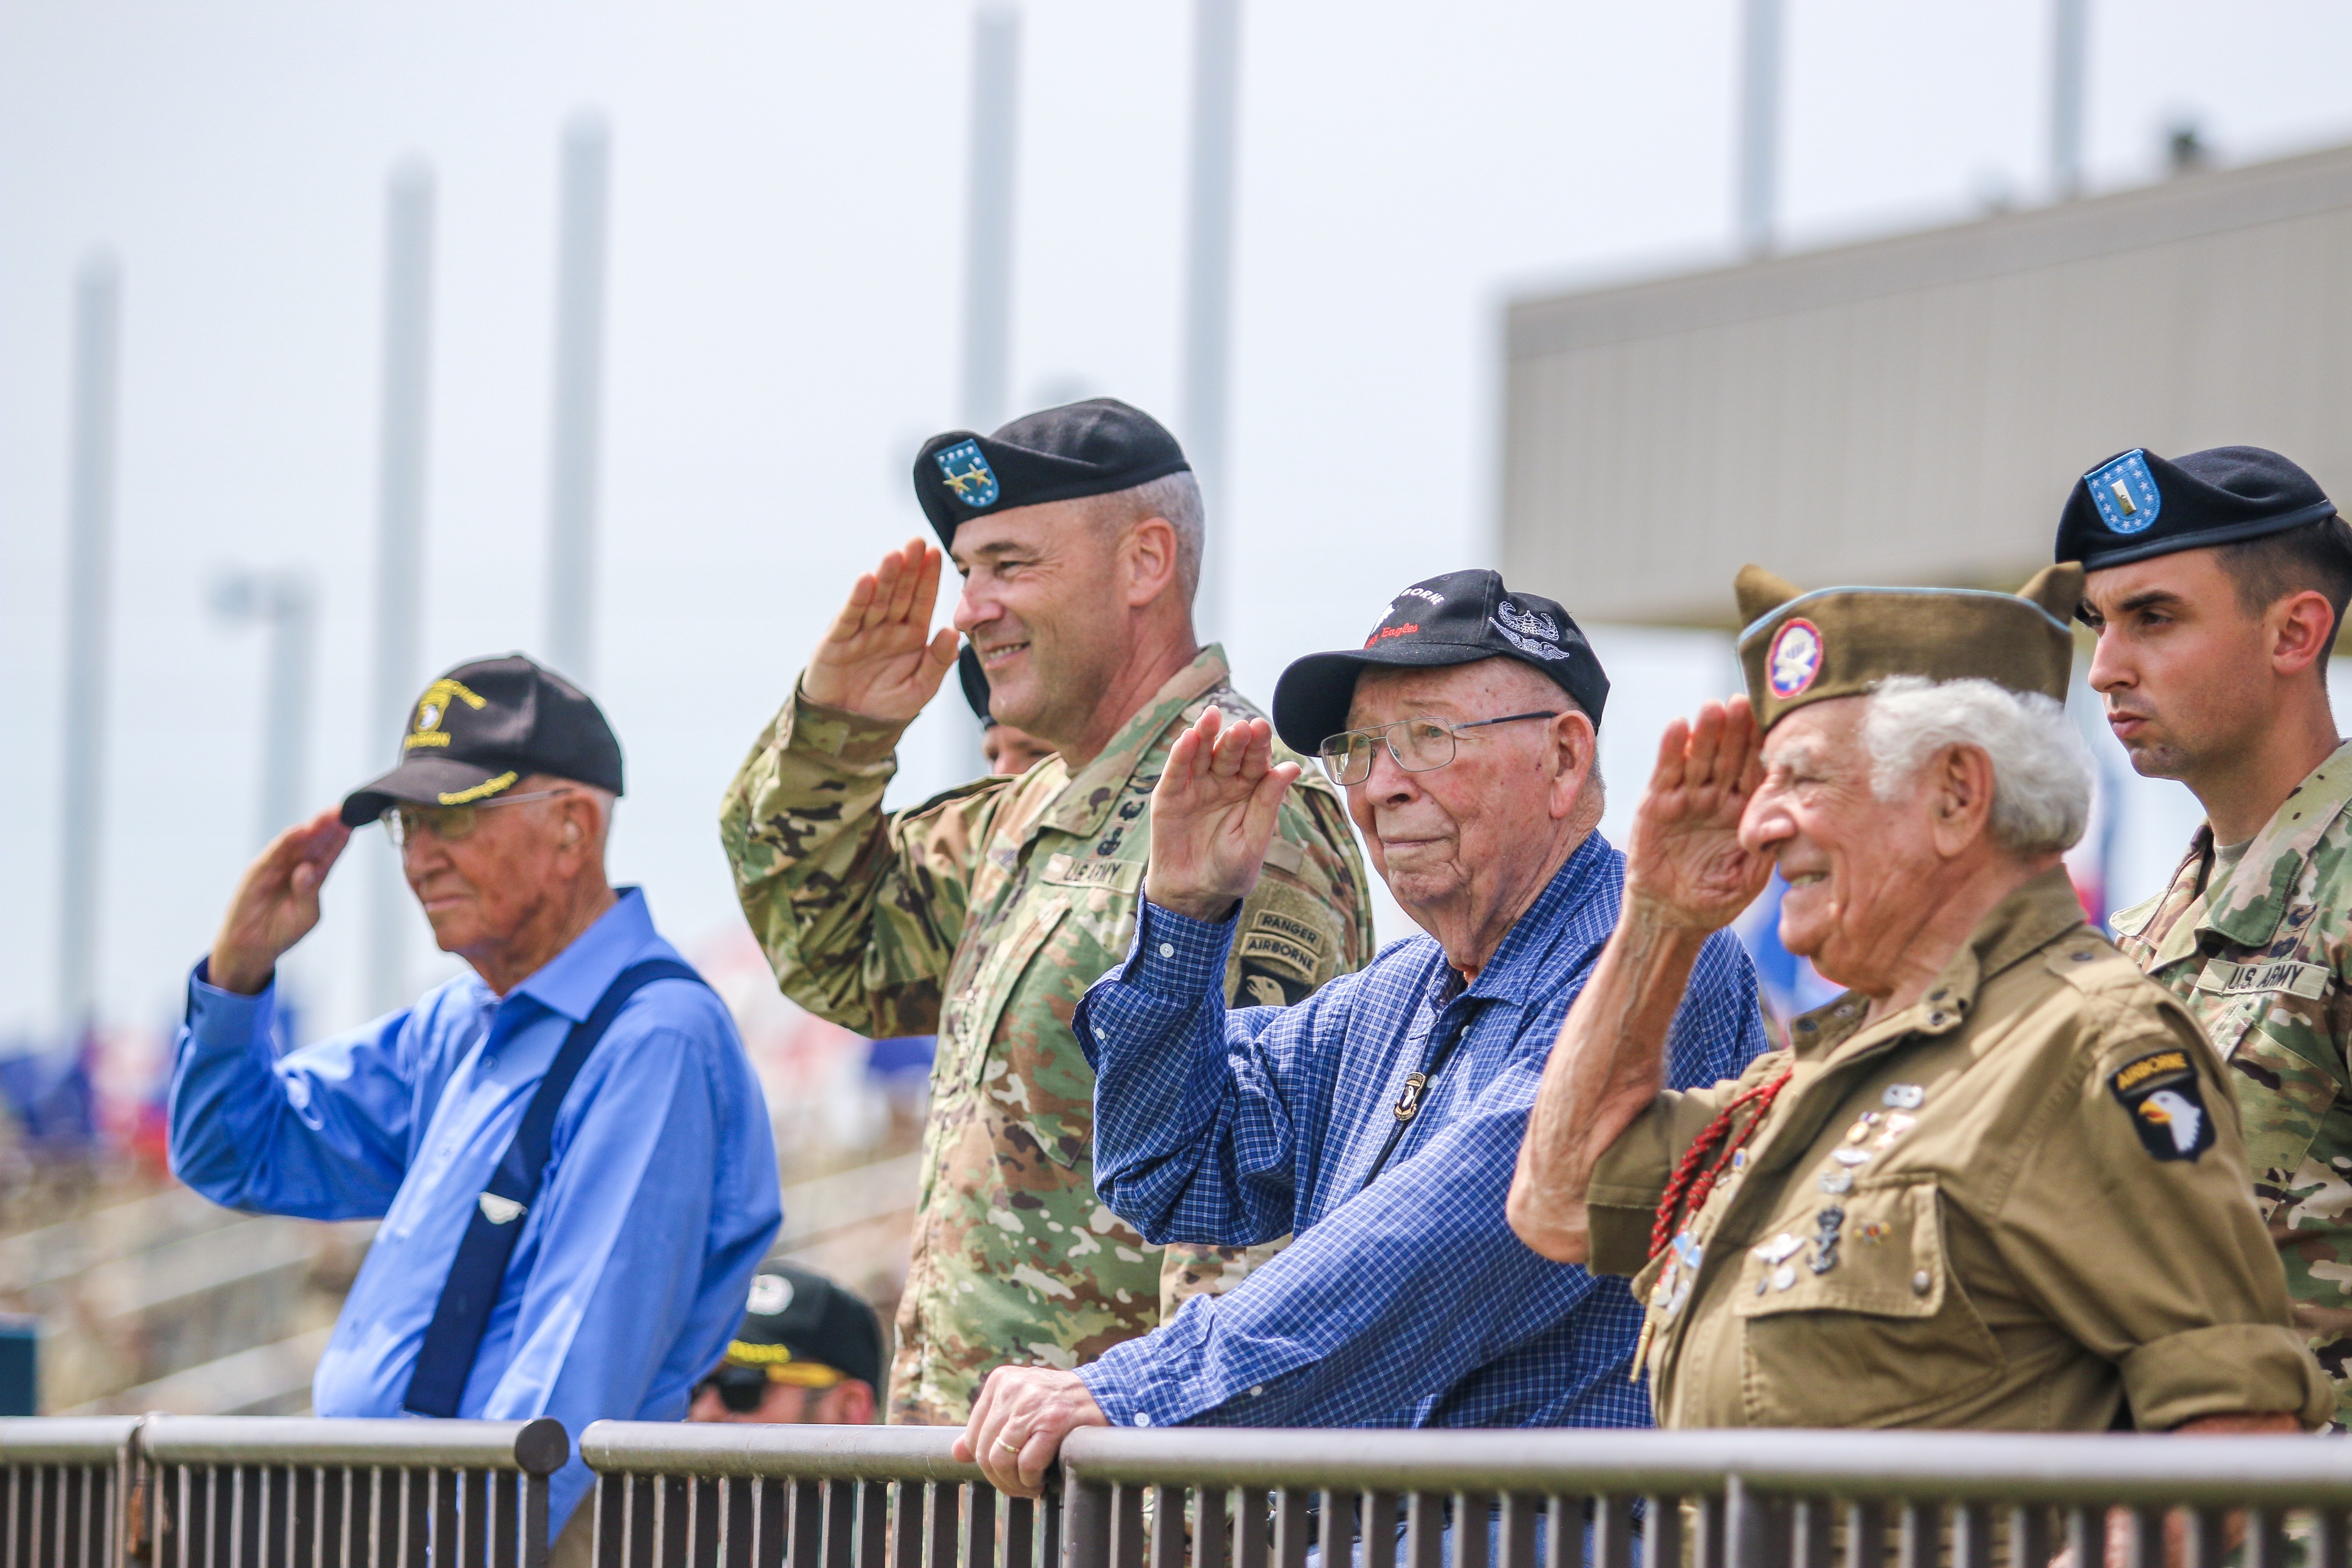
(2125, 493)
(1795, 658)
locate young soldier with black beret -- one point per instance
(984, 914)
(2217, 583)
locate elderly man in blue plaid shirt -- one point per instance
(1380, 1119)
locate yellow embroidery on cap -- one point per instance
(434, 707)
(480, 791)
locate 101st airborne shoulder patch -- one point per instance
(2159, 1091)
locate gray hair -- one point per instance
(2040, 769)
(1175, 497)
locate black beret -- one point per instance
(2136, 505)
(1090, 448)
(476, 730)
(1459, 619)
(974, 681)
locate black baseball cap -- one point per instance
(1459, 619)
(1090, 448)
(2136, 505)
(479, 730)
(797, 1318)
(974, 681)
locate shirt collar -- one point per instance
(2250, 904)
(1527, 952)
(1086, 802)
(574, 980)
(2029, 920)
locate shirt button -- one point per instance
(1938, 1018)
(1167, 950)
(1143, 1418)
(1920, 1283)
(1258, 1390)
(489, 1064)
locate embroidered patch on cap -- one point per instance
(2167, 1110)
(2125, 493)
(1531, 632)
(1795, 658)
(968, 475)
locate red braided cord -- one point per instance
(1687, 1188)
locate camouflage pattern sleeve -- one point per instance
(859, 913)
(1308, 921)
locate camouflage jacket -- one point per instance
(2262, 957)
(982, 915)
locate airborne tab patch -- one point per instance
(2167, 1110)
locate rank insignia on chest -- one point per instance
(2167, 1109)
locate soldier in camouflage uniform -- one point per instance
(2216, 585)
(984, 914)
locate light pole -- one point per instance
(283, 603)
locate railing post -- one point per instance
(1085, 1524)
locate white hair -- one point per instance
(2040, 769)
(1176, 499)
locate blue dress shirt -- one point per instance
(1409, 1302)
(633, 1264)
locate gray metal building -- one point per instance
(1913, 410)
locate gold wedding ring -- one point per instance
(1008, 1444)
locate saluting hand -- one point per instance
(879, 658)
(1212, 815)
(1685, 866)
(276, 903)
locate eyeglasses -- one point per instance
(1418, 745)
(448, 823)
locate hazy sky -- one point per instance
(787, 203)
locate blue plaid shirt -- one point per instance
(1409, 1302)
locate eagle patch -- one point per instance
(2159, 1091)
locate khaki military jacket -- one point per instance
(2019, 1203)
(982, 915)
(2261, 956)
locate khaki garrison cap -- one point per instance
(1801, 647)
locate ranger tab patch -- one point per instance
(2166, 1109)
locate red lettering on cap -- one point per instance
(1392, 632)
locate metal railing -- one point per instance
(68, 1488)
(227, 1491)
(812, 1496)
(262, 1493)
(729, 1496)
(257, 1491)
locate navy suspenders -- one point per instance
(446, 1359)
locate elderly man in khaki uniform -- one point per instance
(984, 914)
(1999, 1184)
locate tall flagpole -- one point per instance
(1208, 286)
(579, 401)
(90, 573)
(1759, 124)
(400, 541)
(989, 192)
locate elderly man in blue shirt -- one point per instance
(1381, 1119)
(567, 1150)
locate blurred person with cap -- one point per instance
(809, 1352)
(1378, 1119)
(1008, 752)
(984, 914)
(1999, 1182)
(567, 1147)
(2216, 588)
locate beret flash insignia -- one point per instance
(2166, 1109)
(969, 477)
(2125, 493)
